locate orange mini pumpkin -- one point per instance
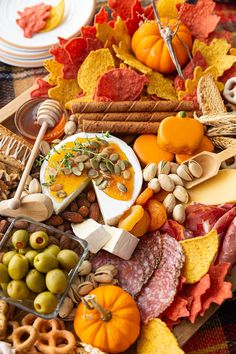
(113, 322)
(150, 48)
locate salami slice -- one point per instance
(159, 293)
(136, 272)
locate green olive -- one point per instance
(67, 259)
(35, 281)
(45, 261)
(56, 281)
(38, 240)
(24, 250)
(7, 257)
(18, 290)
(4, 276)
(18, 267)
(30, 255)
(20, 239)
(45, 302)
(54, 249)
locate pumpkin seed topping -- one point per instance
(122, 187)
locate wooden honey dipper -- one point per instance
(48, 116)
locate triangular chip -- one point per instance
(199, 253)
(156, 338)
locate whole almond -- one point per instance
(84, 211)
(94, 211)
(91, 196)
(73, 206)
(166, 183)
(55, 220)
(83, 201)
(72, 217)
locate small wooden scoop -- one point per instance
(210, 164)
(34, 206)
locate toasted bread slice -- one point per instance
(209, 97)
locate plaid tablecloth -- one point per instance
(217, 335)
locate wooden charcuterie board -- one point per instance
(185, 330)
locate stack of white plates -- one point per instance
(17, 50)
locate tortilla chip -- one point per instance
(232, 51)
(96, 64)
(124, 54)
(55, 18)
(66, 90)
(55, 70)
(119, 33)
(161, 86)
(191, 85)
(156, 338)
(216, 54)
(199, 253)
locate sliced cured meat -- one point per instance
(228, 248)
(224, 221)
(201, 218)
(133, 274)
(160, 291)
(33, 19)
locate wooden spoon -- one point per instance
(210, 164)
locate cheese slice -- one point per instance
(92, 232)
(121, 243)
(112, 209)
(217, 190)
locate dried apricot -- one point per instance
(131, 217)
(142, 225)
(157, 213)
(160, 196)
(144, 196)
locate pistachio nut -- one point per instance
(103, 277)
(66, 307)
(181, 194)
(71, 316)
(173, 167)
(108, 267)
(163, 167)
(85, 288)
(176, 179)
(195, 168)
(184, 173)
(34, 186)
(85, 268)
(154, 185)
(166, 182)
(70, 127)
(179, 213)
(149, 171)
(44, 148)
(91, 278)
(169, 202)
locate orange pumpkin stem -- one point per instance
(181, 114)
(91, 304)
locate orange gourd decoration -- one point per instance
(113, 322)
(150, 48)
(205, 145)
(180, 134)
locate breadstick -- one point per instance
(128, 117)
(120, 127)
(132, 106)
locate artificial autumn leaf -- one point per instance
(160, 86)
(228, 74)
(136, 16)
(177, 309)
(219, 290)
(195, 292)
(121, 8)
(232, 51)
(216, 54)
(71, 55)
(66, 90)
(42, 88)
(55, 70)
(168, 8)
(119, 33)
(191, 85)
(101, 16)
(199, 17)
(123, 53)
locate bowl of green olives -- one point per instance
(36, 271)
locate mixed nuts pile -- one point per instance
(94, 158)
(84, 283)
(171, 177)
